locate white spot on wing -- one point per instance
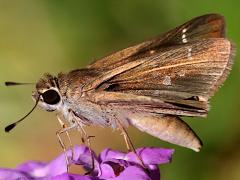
(190, 53)
(184, 39)
(167, 81)
(152, 51)
(201, 98)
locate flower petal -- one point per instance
(151, 156)
(133, 172)
(13, 174)
(67, 176)
(82, 156)
(108, 154)
(30, 166)
(109, 165)
(58, 166)
(106, 171)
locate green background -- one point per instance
(38, 36)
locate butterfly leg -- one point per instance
(92, 155)
(65, 129)
(86, 139)
(129, 143)
(64, 126)
(63, 147)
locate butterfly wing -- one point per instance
(180, 69)
(206, 26)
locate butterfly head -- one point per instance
(47, 93)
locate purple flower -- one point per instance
(109, 164)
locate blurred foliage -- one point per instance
(39, 36)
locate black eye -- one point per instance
(51, 97)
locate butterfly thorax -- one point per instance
(75, 105)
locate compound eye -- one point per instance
(51, 97)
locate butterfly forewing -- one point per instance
(206, 26)
(183, 78)
(183, 67)
(193, 68)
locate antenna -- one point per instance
(10, 83)
(11, 126)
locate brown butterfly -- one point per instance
(149, 85)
